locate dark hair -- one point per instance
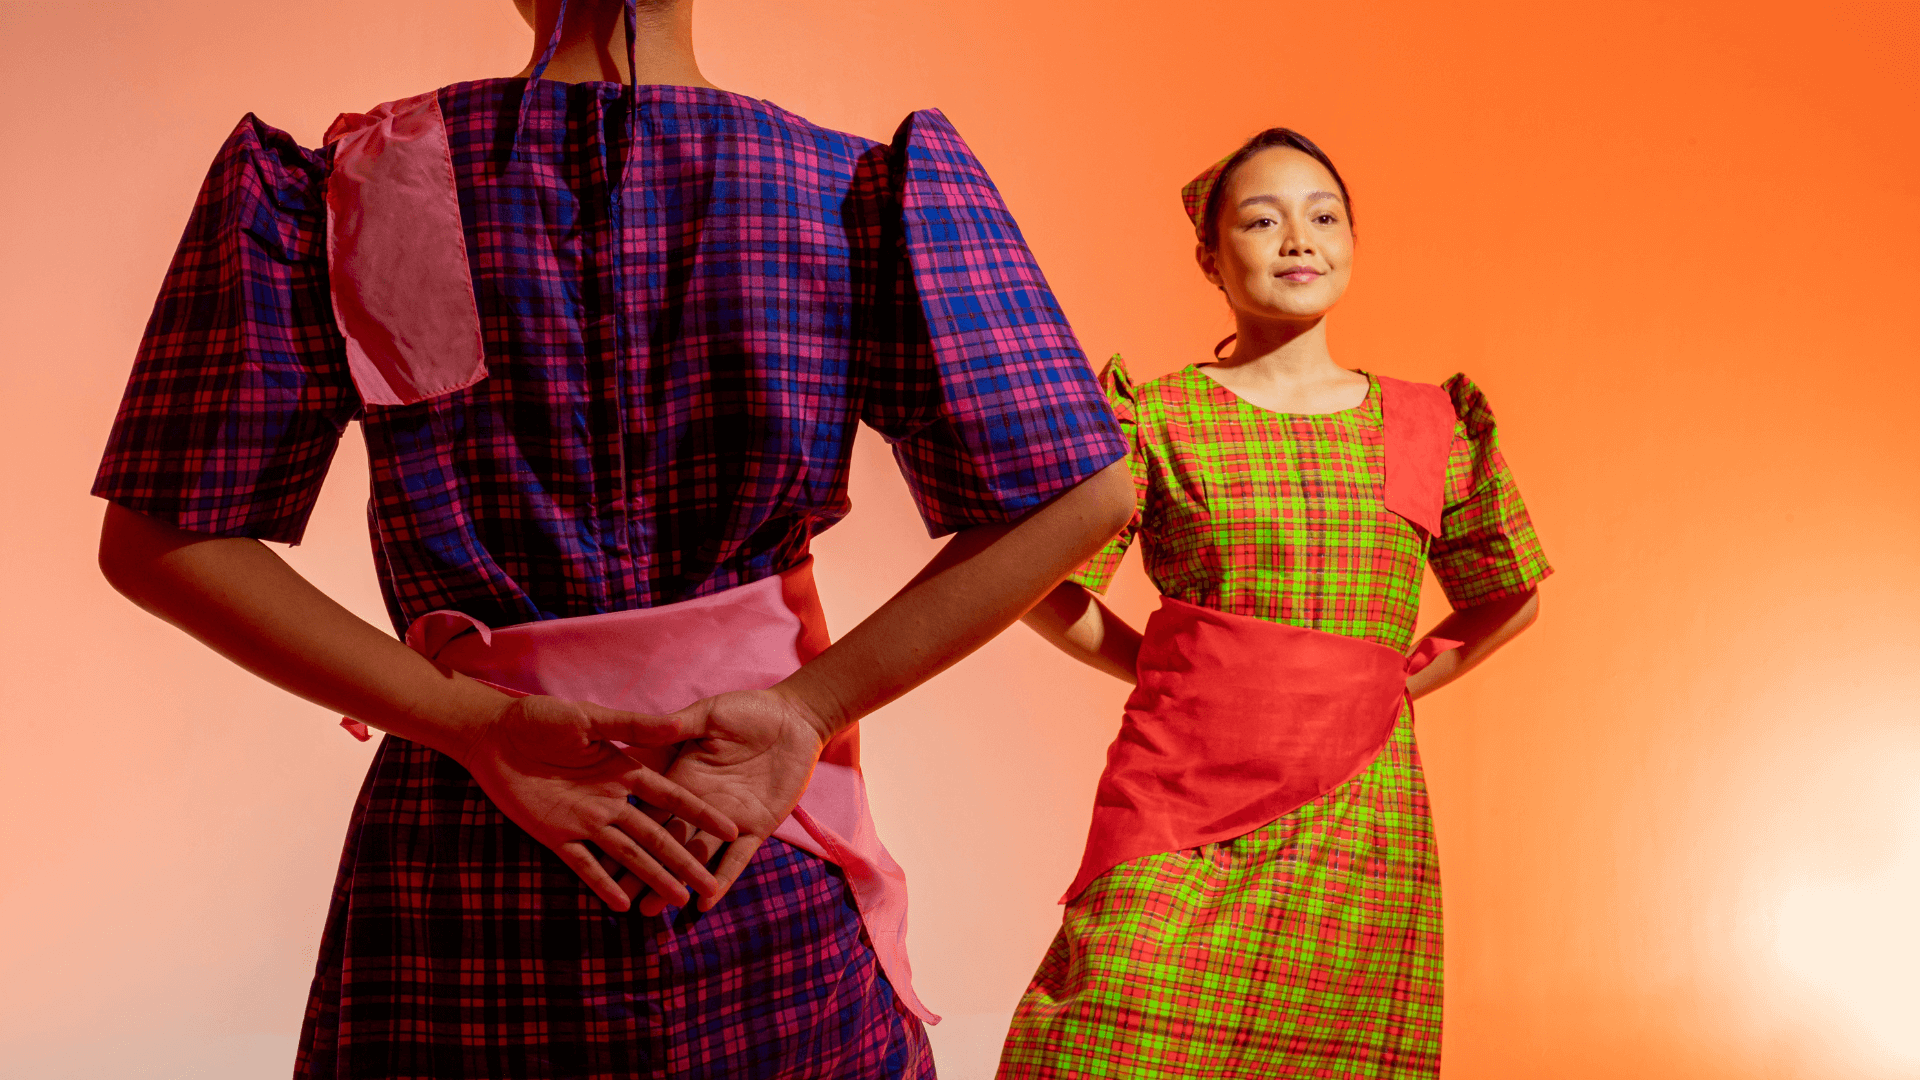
(1272, 137)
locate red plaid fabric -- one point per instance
(686, 311)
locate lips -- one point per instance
(1300, 274)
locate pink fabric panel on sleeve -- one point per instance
(1419, 421)
(397, 255)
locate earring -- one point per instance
(1224, 342)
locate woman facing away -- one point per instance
(1260, 895)
(608, 330)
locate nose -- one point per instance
(1296, 241)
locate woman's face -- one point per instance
(1286, 246)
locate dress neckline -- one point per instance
(652, 90)
(1373, 391)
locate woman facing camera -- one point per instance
(1260, 893)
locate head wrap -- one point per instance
(1194, 195)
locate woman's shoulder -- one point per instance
(1470, 406)
(1464, 397)
(1182, 387)
(259, 152)
(263, 182)
(1168, 394)
(707, 109)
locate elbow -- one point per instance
(131, 547)
(1111, 499)
(1529, 612)
(118, 559)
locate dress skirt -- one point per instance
(1308, 948)
(459, 947)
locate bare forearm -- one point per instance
(1482, 629)
(246, 603)
(1078, 624)
(983, 580)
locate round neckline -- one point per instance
(1373, 387)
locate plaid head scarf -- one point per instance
(1194, 195)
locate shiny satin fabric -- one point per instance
(397, 255)
(657, 660)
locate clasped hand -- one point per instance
(552, 766)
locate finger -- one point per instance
(654, 812)
(683, 833)
(647, 835)
(732, 864)
(582, 862)
(657, 790)
(637, 892)
(646, 900)
(641, 729)
(702, 845)
(621, 847)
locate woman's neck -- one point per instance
(593, 45)
(1281, 350)
(1286, 367)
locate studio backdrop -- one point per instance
(1674, 243)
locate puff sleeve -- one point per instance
(1486, 549)
(972, 372)
(1098, 573)
(240, 390)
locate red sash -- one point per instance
(1236, 720)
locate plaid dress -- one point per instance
(1309, 947)
(688, 300)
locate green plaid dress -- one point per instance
(1311, 946)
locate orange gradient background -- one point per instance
(1676, 245)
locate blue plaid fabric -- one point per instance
(686, 311)
(676, 363)
(457, 946)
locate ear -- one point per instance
(1209, 263)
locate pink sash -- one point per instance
(657, 660)
(1237, 721)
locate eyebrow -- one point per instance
(1274, 200)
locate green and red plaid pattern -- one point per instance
(1307, 949)
(1281, 517)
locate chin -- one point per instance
(1295, 309)
(1293, 302)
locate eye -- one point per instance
(1258, 223)
(1326, 219)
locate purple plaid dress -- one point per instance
(676, 364)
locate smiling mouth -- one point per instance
(1299, 273)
